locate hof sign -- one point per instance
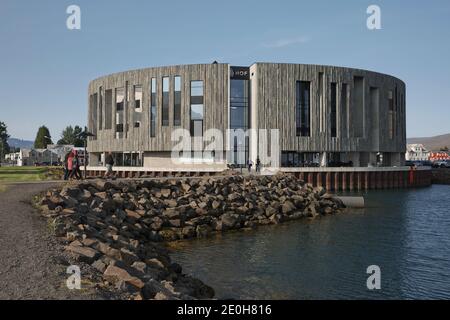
(240, 73)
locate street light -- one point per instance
(84, 135)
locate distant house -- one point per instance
(19, 158)
(417, 152)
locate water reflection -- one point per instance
(405, 232)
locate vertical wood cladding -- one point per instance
(362, 113)
(276, 108)
(215, 78)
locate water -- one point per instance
(405, 232)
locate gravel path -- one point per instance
(29, 266)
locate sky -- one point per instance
(45, 68)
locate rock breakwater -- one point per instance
(116, 228)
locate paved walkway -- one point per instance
(28, 253)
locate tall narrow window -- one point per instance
(120, 97)
(153, 98)
(357, 113)
(391, 118)
(138, 98)
(302, 108)
(165, 103)
(333, 107)
(343, 110)
(100, 109)
(196, 101)
(177, 102)
(108, 109)
(321, 100)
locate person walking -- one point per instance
(249, 164)
(66, 168)
(109, 161)
(258, 165)
(75, 166)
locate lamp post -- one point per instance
(84, 135)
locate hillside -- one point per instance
(18, 143)
(433, 143)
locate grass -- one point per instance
(24, 174)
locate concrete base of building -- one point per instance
(332, 179)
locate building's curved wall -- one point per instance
(362, 124)
(274, 100)
(215, 77)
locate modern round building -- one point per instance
(326, 116)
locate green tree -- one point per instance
(444, 148)
(4, 147)
(43, 138)
(71, 135)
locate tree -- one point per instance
(43, 138)
(4, 147)
(71, 135)
(444, 149)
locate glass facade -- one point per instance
(177, 101)
(153, 101)
(196, 112)
(165, 101)
(239, 117)
(128, 159)
(302, 108)
(298, 159)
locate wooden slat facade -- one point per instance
(276, 100)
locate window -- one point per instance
(343, 110)
(93, 113)
(302, 108)
(196, 113)
(297, 159)
(137, 124)
(239, 104)
(153, 98)
(165, 104)
(128, 159)
(120, 96)
(177, 105)
(391, 120)
(322, 118)
(358, 107)
(108, 109)
(138, 97)
(333, 117)
(100, 109)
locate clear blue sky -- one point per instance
(45, 68)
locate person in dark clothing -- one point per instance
(258, 165)
(76, 172)
(109, 161)
(66, 166)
